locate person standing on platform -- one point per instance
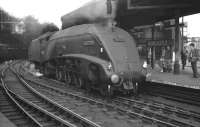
(167, 60)
(193, 58)
(184, 57)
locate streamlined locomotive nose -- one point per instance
(127, 81)
(138, 77)
(133, 76)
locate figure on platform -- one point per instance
(184, 54)
(167, 60)
(193, 58)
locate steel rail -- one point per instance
(16, 103)
(130, 113)
(30, 104)
(24, 101)
(158, 116)
(74, 115)
(174, 94)
(154, 114)
(24, 111)
(164, 107)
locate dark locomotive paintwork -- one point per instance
(90, 54)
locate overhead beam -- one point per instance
(8, 22)
(170, 26)
(161, 6)
(130, 7)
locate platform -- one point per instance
(184, 79)
(4, 122)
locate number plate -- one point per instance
(128, 85)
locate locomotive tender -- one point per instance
(90, 53)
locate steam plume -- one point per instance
(94, 11)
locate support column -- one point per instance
(152, 56)
(177, 46)
(153, 49)
(182, 35)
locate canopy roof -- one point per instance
(132, 13)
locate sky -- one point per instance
(43, 10)
(52, 10)
(193, 22)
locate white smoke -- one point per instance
(94, 11)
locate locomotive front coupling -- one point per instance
(127, 81)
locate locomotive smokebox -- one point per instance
(96, 11)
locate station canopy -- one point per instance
(132, 13)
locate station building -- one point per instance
(11, 46)
(156, 25)
(153, 40)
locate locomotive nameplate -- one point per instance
(88, 43)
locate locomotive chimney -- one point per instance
(111, 13)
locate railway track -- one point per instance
(180, 94)
(14, 112)
(44, 110)
(96, 107)
(183, 95)
(12, 109)
(168, 112)
(155, 114)
(160, 114)
(155, 105)
(173, 115)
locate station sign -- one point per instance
(159, 42)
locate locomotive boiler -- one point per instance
(89, 54)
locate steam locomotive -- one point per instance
(90, 55)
